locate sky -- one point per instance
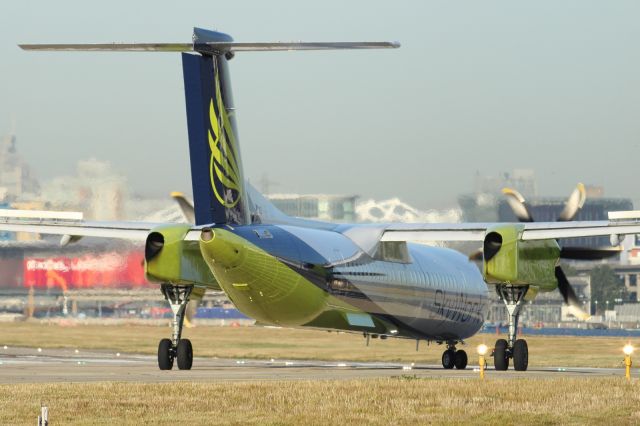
(484, 87)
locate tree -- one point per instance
(606, 286)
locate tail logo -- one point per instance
(223, 165)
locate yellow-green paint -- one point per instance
(522, 262)
(264, 288)
(223, 148)
(179, 261)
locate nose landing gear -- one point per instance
(176, 348)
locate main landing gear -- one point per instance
(454, 358)
(176, 347)
(516, 349)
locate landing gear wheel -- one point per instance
(448, 359)
(165, 354)
(520, 355)
(460, 360)
(184, 354)
(500, 355)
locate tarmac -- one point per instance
(29, 365)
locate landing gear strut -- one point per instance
(513, 298)
(176, 347)
(454, 358)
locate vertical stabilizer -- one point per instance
(216, 168)
(219, 193)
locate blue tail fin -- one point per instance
(216, 168)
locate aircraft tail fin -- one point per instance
(219, 193)
(216, 168)
(217, 176)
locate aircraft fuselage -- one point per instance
(303, 277)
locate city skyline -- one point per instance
(479, 88)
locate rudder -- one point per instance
(216, 169)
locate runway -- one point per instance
(29, 365)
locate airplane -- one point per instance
(376, 279)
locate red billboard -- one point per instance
(104, 270)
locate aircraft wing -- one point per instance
(619, 223)
(123, 230)
(71, 223)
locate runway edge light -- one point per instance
(628, 350)
(482, 351)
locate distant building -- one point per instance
(16, 179)
(96, 189)
(522, 179)
(346, 208)
(339, 208)
(480, 206)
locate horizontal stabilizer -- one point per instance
(211, 47)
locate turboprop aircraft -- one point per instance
(373, 279)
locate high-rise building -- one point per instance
(16, 179)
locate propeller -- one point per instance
(185, 206)
(588, 253)
(572, 206)
(569, 295)
(520, 208)
(574, 203)
(518, 204)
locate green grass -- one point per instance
(265, 343)
(398, 401)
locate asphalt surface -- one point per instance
(28, 365)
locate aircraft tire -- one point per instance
(460, 360)
(500, 356)
(165, 356)
(184, 354)
(520, 355)
(448, 359)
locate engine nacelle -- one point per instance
(171, 259)
(509, 260)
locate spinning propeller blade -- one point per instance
(521, 209)
(574, 204)
(518, 205)
(186, 206)
(586, 253)
(569, 295)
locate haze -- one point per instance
(476, 86)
